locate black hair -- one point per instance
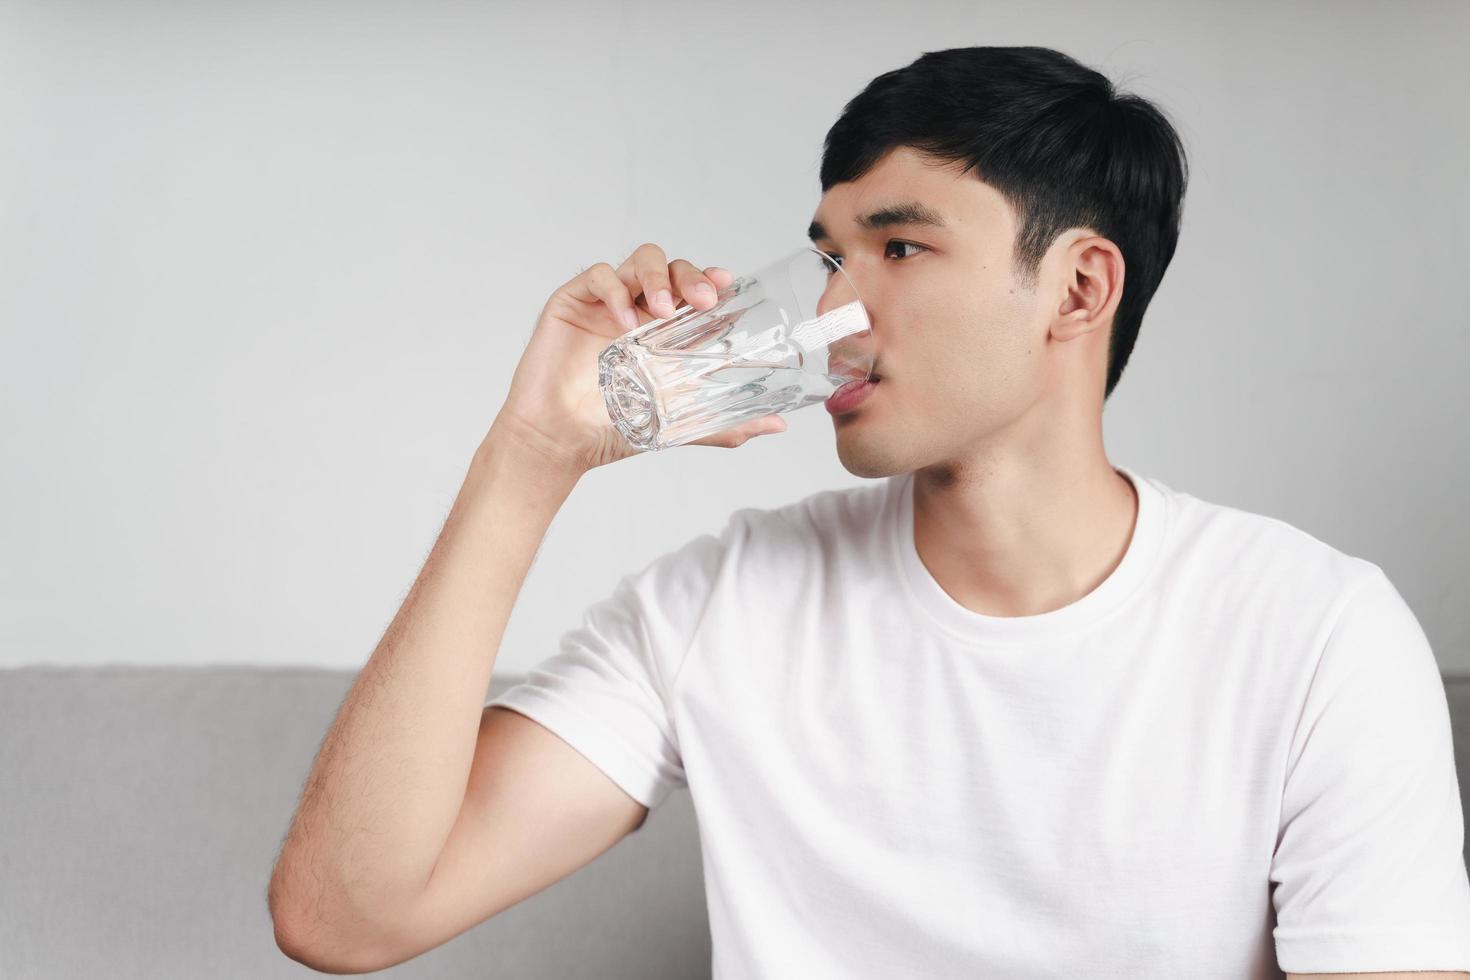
(1063, 146)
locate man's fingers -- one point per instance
(741, 434)
(646, 274)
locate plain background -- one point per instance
(266, 270)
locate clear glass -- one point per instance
(783, 337)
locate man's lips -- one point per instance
(850, 395)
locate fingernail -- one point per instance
(664, 299)
(704, 291)
(629, 318)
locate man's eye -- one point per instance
(838, 259)
(905, 245)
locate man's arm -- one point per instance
(389, 782)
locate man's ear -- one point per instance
(1093, 268)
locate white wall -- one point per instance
(266, 269)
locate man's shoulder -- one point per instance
(1261, 552)
(759, 539)
(818, 518)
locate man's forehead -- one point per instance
(904, 187)
(947, 199)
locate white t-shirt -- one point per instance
(1230, 759)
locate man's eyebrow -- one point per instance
(907, 213)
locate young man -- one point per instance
(1010, 711)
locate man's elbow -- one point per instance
(324, 954)
(311, 943)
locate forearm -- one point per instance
(389, 781)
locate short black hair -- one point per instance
(1057, 139)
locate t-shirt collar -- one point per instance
(964, 624)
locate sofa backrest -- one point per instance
(143, 809)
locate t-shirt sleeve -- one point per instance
(606, 692)
(1369, 868)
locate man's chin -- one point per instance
(861, 454)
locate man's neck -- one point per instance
(1021, 538)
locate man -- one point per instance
(1010, 711)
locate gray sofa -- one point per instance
(143, 807)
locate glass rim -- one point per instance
(872, 357)
(846, 278)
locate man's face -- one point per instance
(960, 344)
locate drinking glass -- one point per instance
(780, 338)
